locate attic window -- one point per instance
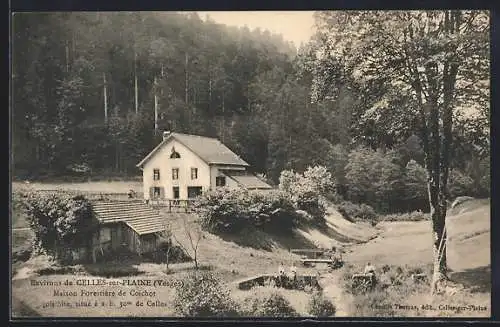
(174, 154)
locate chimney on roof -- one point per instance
(166, 134)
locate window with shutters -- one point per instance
(175, 173)
(194, 173)
(156, 192)
(156, 174)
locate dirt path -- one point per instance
(332, 289)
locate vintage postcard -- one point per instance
(250, 164)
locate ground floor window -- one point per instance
(176, 192)
(105, 234)
(220, 181)
(194, 191)
(156, 192)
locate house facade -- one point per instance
(183, 166)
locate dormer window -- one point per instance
(174, 154)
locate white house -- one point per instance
(183, 166)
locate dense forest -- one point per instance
(94, 91)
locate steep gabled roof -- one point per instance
(211, 150)
(138, 216)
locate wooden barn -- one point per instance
(125, 225)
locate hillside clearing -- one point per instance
(249, 254)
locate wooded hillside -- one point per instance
(89, 87)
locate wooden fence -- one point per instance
(117, 196)
(173, 205)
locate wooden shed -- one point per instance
(130, 225)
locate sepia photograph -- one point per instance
(250, 164)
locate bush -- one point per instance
(305, 190)
(226, 210)
(407, 216)
(415, 181)
(319, 306)
(389, 278)
(374, 178)
(460, 184)
(168, 253)
(202, 295)
(223, 209)
(353, 212)
(59, 221)
(272, 305)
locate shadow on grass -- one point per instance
(249, 237)
(330, 232)
(114, 268)
(261, 240)
(477, 280)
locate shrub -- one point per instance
(415, 182)
(353, 212)
(304, 190)
(167, 252)
(374, 178)
(226, 210)
(271, 305)
(395, 280)
(59, 221)
(223, 209)
(460, 184)
(202, 295)
(319, 306)
(407, 216)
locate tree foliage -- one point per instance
(202, 294)
(418, 71)
(59, 221)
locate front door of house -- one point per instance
(176, 192)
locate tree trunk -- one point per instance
(210, 94)
(223, 123)
(186, 82)
(67, 57)
(117, 157)
(105, 98)
(156, 107)
(438, 217)
(136, 89)
(186, 88)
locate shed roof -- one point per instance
(211, 150)
(137, 215)
(249, 181)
